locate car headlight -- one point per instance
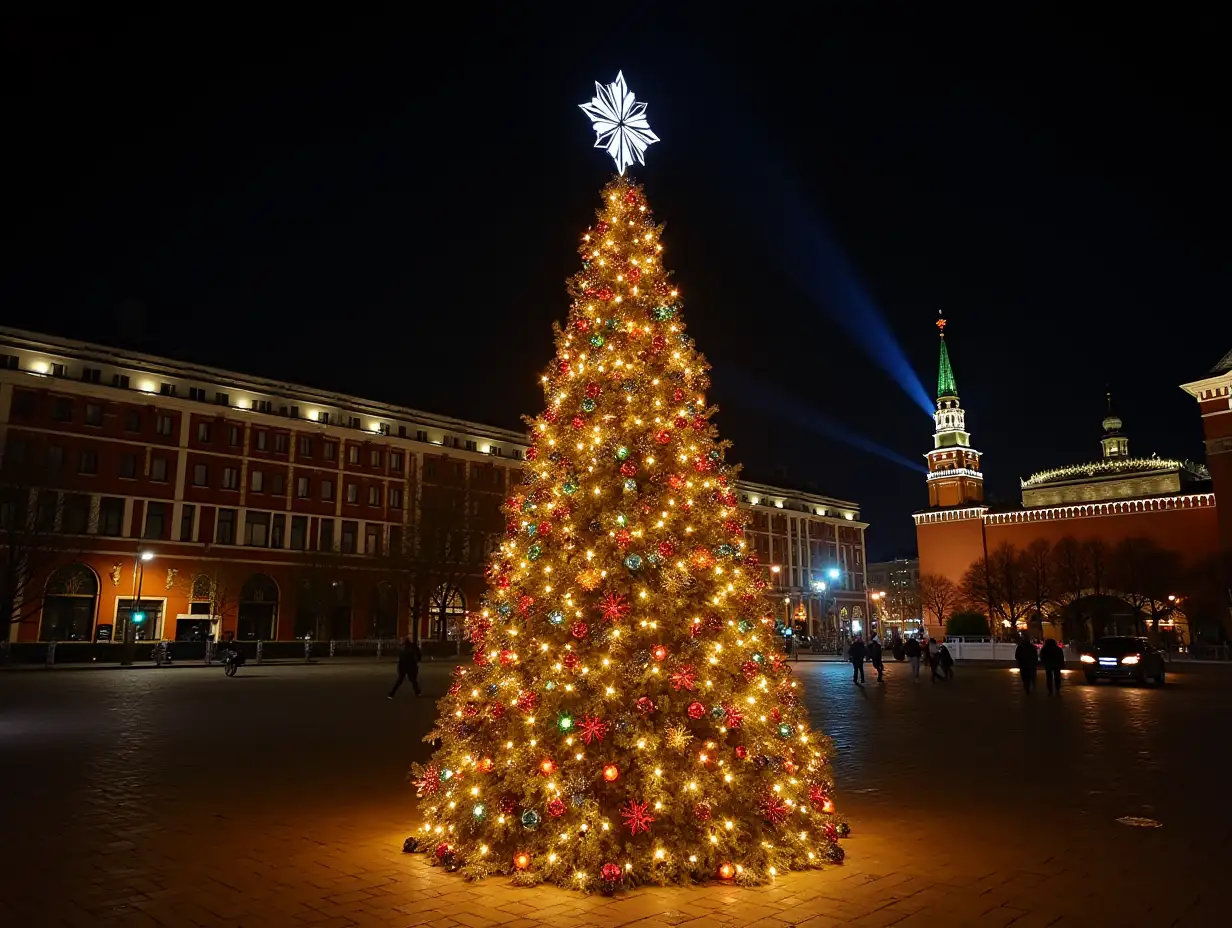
(1130, 659)
(1087, 658)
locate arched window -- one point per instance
(257, 618)
(69, 601)
(383, 622)
(448, 612)
(202, 589)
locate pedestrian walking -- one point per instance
(934, 658)
(874, 656)
(912, 649)
(1053, 658)
(855, 654)
(408, 665)
(946, 660)
(1026, 657)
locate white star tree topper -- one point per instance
(619, 122)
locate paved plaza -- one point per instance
(178, 797)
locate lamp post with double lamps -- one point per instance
(135, 615)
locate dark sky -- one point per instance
(390, 207)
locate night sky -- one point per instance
(389, 208)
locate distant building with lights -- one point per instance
(894, 591)
(1118, 496)
(280, 511)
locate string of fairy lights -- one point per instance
(626, 718)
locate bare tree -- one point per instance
(318, 593)
(445, 556)
(1072, 580)
(215, 583)
(1002, 582)
(1040, 582)
(31, 549)
(940, 595)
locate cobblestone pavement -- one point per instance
(177, 797)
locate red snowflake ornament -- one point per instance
(696, 710)
(637, 816)
(613, 606)
(429, 783)
(645, 705)
(592, 729)
(684, 678)
(578, 629)
(773, 810)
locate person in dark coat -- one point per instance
(946, 660)
(874, 656)
(855, 654)
(912, 649)
(1053, 658)
(408, 665)
(1026, 657)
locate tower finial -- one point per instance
(945, 373)
(941, 322)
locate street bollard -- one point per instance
(378, 649)
(51, 653)
(307, 650)
(332, 646)
(209, 652)
(260, 650)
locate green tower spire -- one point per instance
(945, 373)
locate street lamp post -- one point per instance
(135, 615)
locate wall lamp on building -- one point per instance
(834, 573)
(819, 586)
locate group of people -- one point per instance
(1051, 656)
(936, 656)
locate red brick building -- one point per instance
(273, 510)
(1118, 496)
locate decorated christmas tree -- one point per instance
(627, 717)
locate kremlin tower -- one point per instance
(954, 477)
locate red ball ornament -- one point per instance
(601, 227)
(623, 538)
(678, 395)
(628, 468)
(582, 325)
(611, 773)
(480, 659)
(550, 416)
(532, 453)
(496, 710)
(544, 528)
(734, 718)
(521, 861)
(663, 436)
(635, 274)
(578, 629)
(701, 811)
(675, 481)
(571, 660)
(666, 549)
(563, 367)
(661, 288)
(750, 669)
(525, 601)
(611, 873)
(658, 652)
(631, 197)
(593, 389)
(681, 422)
(604, 293)
(507, 657)
(696, 710)
(578, 423)
(507, 804)
(442, 850)
(695, 630)
(658, 343)
(556, 808)
(726, 871)
(699, 423)
(645, 705)
(741, 751)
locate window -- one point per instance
(187, 517)
(430, 468)
(256, 529)
(224, 533)
(45, 514)
(470, 445)
(155, 520)
(59, 370)
(230, 478)
(55, 457)
(352, 493)
(111, 516)
(395, 461)
(305, 447)
(421, 435)
(330, 450)
(203, 431)
(353, 422)
(260, 439)
(165, 425)
(395, 538)
(89, 462)
(128, 466)
(280, 442)
(349, 532)
(327, 535)
(263, 405)
(383, 428)
(374, 459)
(17, 452)
(166, 389)
(76, 514)
(10, 362)
(257, 481)
(222, 399)
(327, 489)
(23, 403)
(120, 380)
(94, 413)
(299, 533)
(277, 530)
(374, 496)
(61, 408)
(278, 485)
(301, 487)
(323, 418)
(197, 393)
(352, 454)
(372, 539)
(132, 420)
(201, 475)
(395, 498)
(402, 431)
(158, 470)
(234, 435)
(457, 471)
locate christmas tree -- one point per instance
(627, 717)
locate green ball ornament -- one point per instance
(569, 489)
(745, 626)
(621, 520)
(634, 562)
(556, 617)
(622, 453)
(759, 657)
(533, 552)
(588, 405)
(530, 819)
(597, 340)
(785, 730)
(630, 484)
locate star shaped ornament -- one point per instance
(619, 122)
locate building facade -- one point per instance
(1170, 502)
(894, 589)
(194, 501)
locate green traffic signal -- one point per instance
(138, 618)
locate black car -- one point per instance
(1123, 658)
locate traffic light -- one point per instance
(138, 618)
